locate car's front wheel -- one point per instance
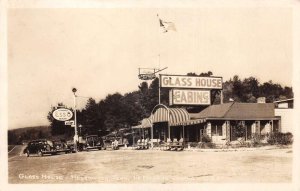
(40, 153)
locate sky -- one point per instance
(99, 51)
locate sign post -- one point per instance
(74, 90)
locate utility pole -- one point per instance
(74, 90)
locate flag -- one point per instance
(166, 26)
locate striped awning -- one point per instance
(178, 116)
(175, 116)
(160, 115)
(194, 121)
(136, 127)
(146, 122)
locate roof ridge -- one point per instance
(229, 109)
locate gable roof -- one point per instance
(284, 100)
(238, 111)
(213, 111)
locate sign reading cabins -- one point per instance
(190, 90)
(189, 97)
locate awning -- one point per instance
(175, 116)
(178, 116)
(136, 127)
(160, 115)
(146, 122)
(194, 121)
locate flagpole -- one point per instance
(159, 89)
(158, 62)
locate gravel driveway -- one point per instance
(154, 166)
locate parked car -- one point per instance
(40, 147)
(61, 146)
(71, 145)
(94, 142)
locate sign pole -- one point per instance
(221, 97)
(75, 121)
(159, 89)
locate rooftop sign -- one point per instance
(197, 82)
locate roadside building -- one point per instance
(220, 122)
(284, 109)
(225, 121)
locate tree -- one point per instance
(91, 118)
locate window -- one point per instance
(216, 130)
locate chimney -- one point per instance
(261, 100)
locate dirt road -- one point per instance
(153, 166)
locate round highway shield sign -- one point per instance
(62, 114)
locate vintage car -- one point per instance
(61, 147)
(94, 142)
(40, 147)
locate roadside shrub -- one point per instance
(210, 145)
(206, 139)
(207, 145)
(255, 140)
(193, 144)
(272, 140)
(239, 130)
(280, 138)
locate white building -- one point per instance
(284, 109)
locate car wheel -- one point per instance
(40, 153)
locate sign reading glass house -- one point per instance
(197, 82)
(189, 97)
(190, 90)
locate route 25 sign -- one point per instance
(62, 114)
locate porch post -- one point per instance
(151, 129)
(140, 133)
(230, 133)
(169, 130)
(259, 127)
(246, 131)
(272, 125)
(183, 132)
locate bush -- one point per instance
(239, 130)
(193, 144)
(280, 138)
(207, 145)
(206, 139)
(255, 140)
